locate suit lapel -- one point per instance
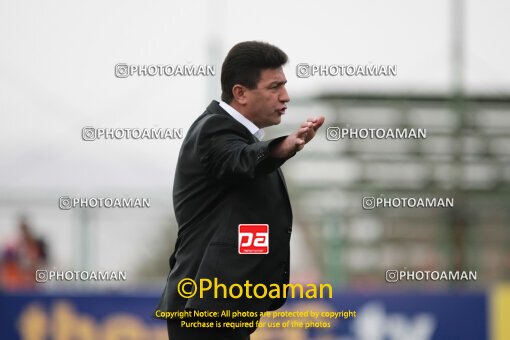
(280, 173)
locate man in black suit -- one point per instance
(228, 175)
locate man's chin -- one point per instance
(277, 121)
(274, 121)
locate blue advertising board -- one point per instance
(347, 316)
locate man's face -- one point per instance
(266, 103)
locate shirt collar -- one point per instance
(259, 133)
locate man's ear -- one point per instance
(239, 93)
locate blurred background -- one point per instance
(57, 76)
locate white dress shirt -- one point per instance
(258, 133)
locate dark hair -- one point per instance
(243, 65)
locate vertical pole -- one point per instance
(459, 225)
(84, 246)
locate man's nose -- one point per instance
(284, 96)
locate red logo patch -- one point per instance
(253, 238)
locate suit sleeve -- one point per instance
(228, 154)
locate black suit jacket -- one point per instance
(225, 177)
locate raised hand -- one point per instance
(296, 141)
